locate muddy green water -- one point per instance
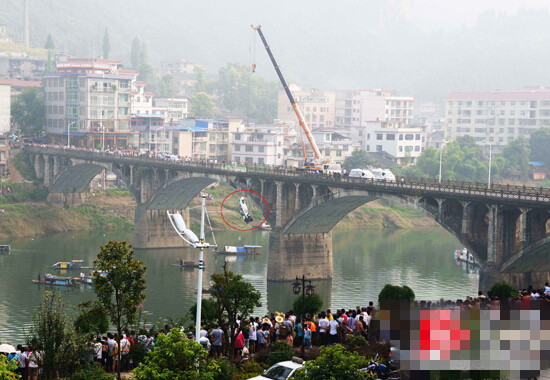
(363, 263)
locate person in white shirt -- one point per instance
(98, 348)
(333, 331)
(252, 329)
(124, 351)
(203, 333)
(323, 327)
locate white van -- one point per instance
(332, 168)
(361, 174)
(383, 175)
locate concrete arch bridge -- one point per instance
(499, 225)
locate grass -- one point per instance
(99, 219)
(22, 192)
(23, 164)
(117, 193)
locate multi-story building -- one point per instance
(403, 143)
(5, 108)
(497, 117)
(171, 108)
(317, 107)
(334, 147)
(22, 66)
(259, 144)
(142, 101)
(92, 98)
(355, 108)
(183, 76)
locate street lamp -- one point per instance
(490, 162)
(190, 238)
(309, 290)
(102, 136)
(440, 157)
(69, 133)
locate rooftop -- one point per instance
(505, 95)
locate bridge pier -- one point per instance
(492, 234)
(292, 255)
(152, 229)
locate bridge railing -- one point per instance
(415, 186)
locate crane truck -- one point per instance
(317, 163)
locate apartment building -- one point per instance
(334, 146)
(171, 108)
(355, 108)
(5, 108)
(142, 101)
(317, 106)
(91, 100)
(403, 143)
(497, 117)
(259, 144)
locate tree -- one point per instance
(334, 363)
(53, 336)
(49, 43)
(208, 311)
(236, 299)
(393, 294)
(106, 44)
(539, 141)
(176, 357)
(313, 304)
(135, 54)
(28, 111)
(92, 320)
(166, 87)
(359, 159)
(202, 106)
(146, 72)
(120, 292)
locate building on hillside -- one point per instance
(183, 75)
(172, 109)
(403, 143)
(92, 97)
(259, 145)
(355, 108)
(21, 66)
(317, 107)
(497, 117)
(5, 108)
(4, 37)
(142, 101)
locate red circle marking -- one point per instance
(250, 229)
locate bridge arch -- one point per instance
(305, 195)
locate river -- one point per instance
(363, 263)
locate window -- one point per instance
(400, 148)
(408, 148)
(417, 136)
(237, 148)
(417, 148)
(261, 149)
(378, 148)
(338, 153)
(249, 148)
(409, 136)
(390, 136)
(400, 137)
(237, 136)
(379, 136)
(261, 160)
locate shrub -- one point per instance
(7, 368)
(91, 372)
(312, 353)
(503, 290)
(227, 369)
(250, 369)
(261, 356)
(137, 354)
(354, 341)
(279, 352)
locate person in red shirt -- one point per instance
(239, 342)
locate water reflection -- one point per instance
(363, 263)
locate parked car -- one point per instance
(361, 173)
(281, 370)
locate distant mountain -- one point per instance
(318, 43)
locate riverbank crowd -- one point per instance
(256, 334)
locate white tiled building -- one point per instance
(497, 117)
(5, 108)
(259, 144)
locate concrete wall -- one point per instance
(152, 229)
(62, 200)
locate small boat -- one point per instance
(5, 249)
(265, 226)
(50, 279)
(465, 256)
(73, 264)
(186, 264)
(245, 250)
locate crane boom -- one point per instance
(297, 110)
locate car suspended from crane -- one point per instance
(317, 163)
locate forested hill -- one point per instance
(356, 44)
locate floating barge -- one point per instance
(49, 279)
(245, 250)
(186, 264)
(73, 264)
(5, 249)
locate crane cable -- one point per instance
(252, 64)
